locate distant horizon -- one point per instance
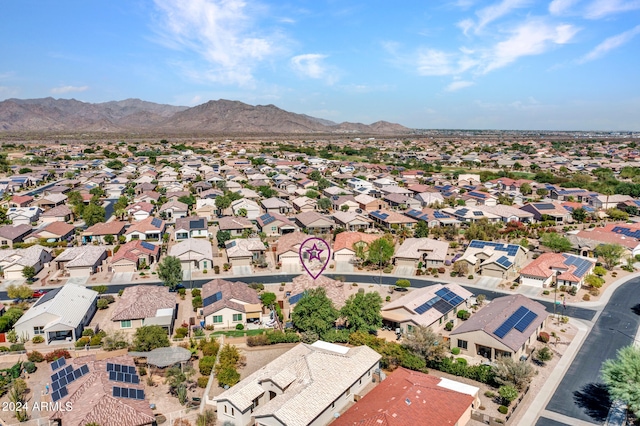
(467, 64)
(322, 118)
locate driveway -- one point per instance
(122, 277)
(489, 282)
(242, 270)
(344, 267)
(405, 271)
(78, 280)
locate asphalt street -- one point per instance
(581, 394)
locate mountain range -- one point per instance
(135, 115)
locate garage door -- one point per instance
(127, 267)
(344, 257)
(246, 261)
(405, 262)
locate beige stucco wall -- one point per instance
(227, 318)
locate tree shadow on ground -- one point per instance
(595, 400)
(636, 309)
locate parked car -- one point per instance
(38, 293)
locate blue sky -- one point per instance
(509, 64)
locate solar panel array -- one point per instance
(627, 232)
(478, 213)
(62, 373)
(148, 246)
(122, 373)
(120, 392)
(212, 299)
(155, 222)
(440, 215)
(59, 394)
(545, 206)
(197, 224)
(378, 215)
(267, 218)
(520, 320)
(296, 298)
(417, 214)
(511, 249)
(582, 265)
(58, 363)
(504, 261)
(64, 377)
(444, 301)
(478, 195)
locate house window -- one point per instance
(204, 264)
(273, 228)
(217, 319)
(462, 344)
(237, 317)
(38, 330)
(233, 412)
(125, 324)
(225, 409)
(409, 328)
(135, 236)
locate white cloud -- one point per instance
(601, 8)
(457, 85)
(610, 44)
(220, 32)
(497, 11)
(531, 38)
(559, 7)
(465, 25)
(434, 62)
(68, 89)
(311, 65)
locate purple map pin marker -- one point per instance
(315, 254)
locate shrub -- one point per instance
(586, 297)
(448, 326)
(228, 376)
(102, 304)
(462, 361)
(543, 336)
(109, 298)
(4, 349)
(16, 347)
(37, 339)
(181, 332)
(594, 292)
(81, 342)
(182, 291)
(546, 292)
(441, 270)
(196, 292)
(205, 364)
(239, 327)
(280, 337)
(470, 277)
(209, 348)
(120, 292)
(88, 332)
(257, 286)
(142, 371)
(573, 290)
(503, 410)
(35, 356)
(29, 366)
(203, 381)
(388, 299)
(258, 340)
(489, 394)
(463, 315)
(455, 351)
(216, 269)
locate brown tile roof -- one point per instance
(289, 241)
(12, 232)
(143, 301)
(335, 290)
(58, 228)
(348, 239)
(234, 222)
(146, 225)
(21, 199)
(408, 398)
(92, 400)
(492, 316)
(109, 228)
(60, 210)
(230, 290)
(134, 249)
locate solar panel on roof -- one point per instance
(440, 215)
(212, 299)
(147, 246)
(545, 206)
(112, 375)
(522, 325)
(510, 322)
(478, 213)
(427, 305)
(54, 377)
(477, 194)
(461, 212)
(55, 385)
(442, 306)
(84, 369)
(62, 381)
(117, 368)
(58, 363)
(196, 224)
(119, 377)
(110, 367)
(116, 391)
(156, 222)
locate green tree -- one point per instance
(525, 189)
(29, 272)
(223, 237)
(507, 393)
(101, 289)
(381, 251)
(268, 299)
(622, 375)
(109, 239)
(121, 204)
(324, 204)
(115, 164)
(223, 202)
(403, 283)
(593, 281)
(19, 292)
(93, 214)
(362, 312)
(312, 194)
(267, 191)
(600, 271)
(315, 175)
(242, 212)
(555, 242)
(542, 191)
(97, 192)
(150, 337)
(579, 214)
(314, 312)
(170, 271)
(610, 254)
(423, 341)
(511, 372)
(544, 355)
(189, 200)
(422, 230)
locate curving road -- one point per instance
(581, 394)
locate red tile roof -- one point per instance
(348, 239)
(408, 398)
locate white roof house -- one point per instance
(305, 386)
(195, 251)
(61, 314)
(81, 261)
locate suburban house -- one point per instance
(432, 217)
(97, 232)
(402, 202)
(330, 375)
(140, 210)
(508, 213)
(508, 326)
(432, 306)
(471, 214)
(494, 259)
(276, 205)
(20, 201)
(100, 399)
(335, 290)
(226, 303)
(52, 232)
(23, 215)
(142, 305)
(236, 225)
(57, 214)
(10, 234)
(194, 253)
(344, 203)
(275, 224)
(566, 269)
(50, 201)
(425, 251)
(343, 247)
(369, 203)
(304, 204)
(61, 314)
(252, 208)
(244, 251)
(149, 229)
(479, 198)
(173, 210)
(206, 207)
(388, 219)
(287, 250)
(314, 223)
(135, 255)
(13, 261)
(191, 227)
(81, 261)
(548, 211)
(352, 221)
(408, 397)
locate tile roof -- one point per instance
(416, 248)
(308, 218)
(493, 315)
(348, 239)
(81, 256)
(314, 375)
(57, 228)
(108, 228)
(192, 249)
(191, 223)
(12, 232)
(29, 256)
(61, 210)
(146, 225)
(337, 291)
(234, 222)
(134, 249)
(289, 241)
(407, 398)
(235, 295)
(143, 301)
(243, 247)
